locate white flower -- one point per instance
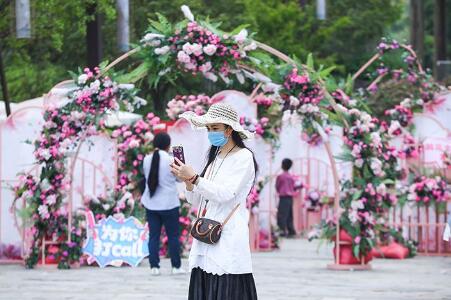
(151, 36)
(45, 185)
(154, 43)
(187, 13)
(183, 57)
(308, 108)
(376, 138)
(356, 149)
(376, 166)
(250, 47)
(357, 205)
(358, 163)
(133, 143)
(49, 124)
(341, 108)
(77, 115)
(43, 210)
(210, 49)
(45, 153)
(354, 111)
(197, 49)
(353, 216)
(51, 199)
(430, 184)
(420, 102)
(162, 50)
(241, 36)
(106, 206)
(82, 78)
(352, 102)
(95, 85)
(381, 189)
(406, 103)
(149, 136)
(188, 48)
(211, 76)
(163, 72)
(119, 216)
(294, 101)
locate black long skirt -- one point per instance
(206, 286)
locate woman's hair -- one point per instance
(238, 140)
(161, 141)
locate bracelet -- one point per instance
(195, 179)
(191, 179)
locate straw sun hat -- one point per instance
(218, 113)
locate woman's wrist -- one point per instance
(189, 186)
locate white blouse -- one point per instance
(230, 184)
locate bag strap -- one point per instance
(230, 214)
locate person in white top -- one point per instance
(160, 198)
(223, 270)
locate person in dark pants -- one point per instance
(160, 198)
(285, 186)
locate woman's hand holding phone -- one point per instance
(182, 171)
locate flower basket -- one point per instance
(346, 254)
(348, 258)
(343, 237)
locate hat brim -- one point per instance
(202, 121)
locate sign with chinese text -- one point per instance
(115, 241)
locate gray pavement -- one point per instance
(297, 271)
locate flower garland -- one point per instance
(303, 96)
(197, 47)
(134, 142)
(426, 190)
(253, 199)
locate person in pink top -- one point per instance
(285, 187)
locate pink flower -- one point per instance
(183, 57)
(210, 49)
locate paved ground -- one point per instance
(298, 271)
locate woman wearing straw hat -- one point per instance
(222, 270)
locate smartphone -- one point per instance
(177, 151)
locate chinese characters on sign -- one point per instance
(113, 242)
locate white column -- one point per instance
(23, 27)
(123, 26)
(321, 9)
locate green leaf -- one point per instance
(356, 251)
(138, 73)
(356, 195)
(238, 29)
(103, 64)
(310, 63)
(349, 85)
(326, 72)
